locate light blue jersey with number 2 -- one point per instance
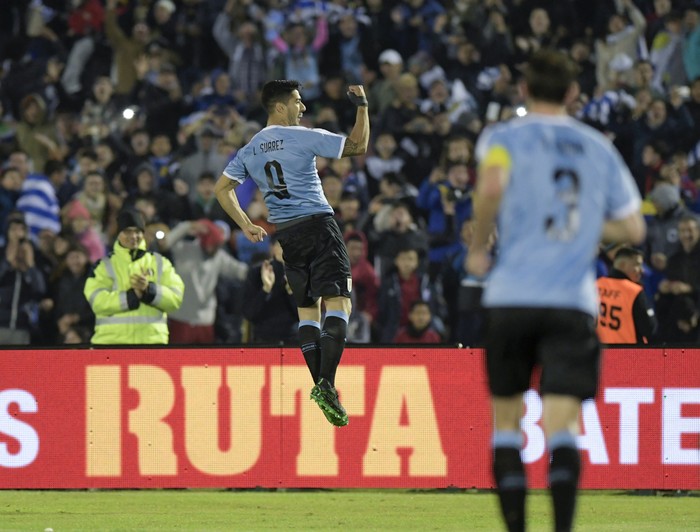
(566, 179)
(282, 162)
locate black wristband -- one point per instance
(359, 101)
(132, 300)
(150, 293)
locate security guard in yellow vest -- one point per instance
(131, 290)
(624, 317)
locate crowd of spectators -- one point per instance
(108, 104)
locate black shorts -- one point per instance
(316, 260)
(562, 342)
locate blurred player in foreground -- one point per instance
(281, 159)
(555, 187)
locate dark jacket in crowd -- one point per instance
(273, 317)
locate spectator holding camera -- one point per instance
(22, 285)
(270, 309)
(62, 311)
(394, 228)
(448, 204)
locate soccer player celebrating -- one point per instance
(281, 160)
(555, 187)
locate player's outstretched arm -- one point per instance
(358, 140)
(226, 194)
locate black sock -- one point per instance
(564, 471)
(310, 343)
(335, 328)
(511, 482)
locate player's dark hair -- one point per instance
(277, 91)
(549, 74)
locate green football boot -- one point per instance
(326, 398)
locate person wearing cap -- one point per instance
(131, 290)
(662, 237)
(383, 92)
(201, 260)
(163, 21)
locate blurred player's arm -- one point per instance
(226, 194)
(494, 173)
(629, 229)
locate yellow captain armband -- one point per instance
(497, 156)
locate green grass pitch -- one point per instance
(211, 510)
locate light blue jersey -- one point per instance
(282, 161)
(566, 179)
